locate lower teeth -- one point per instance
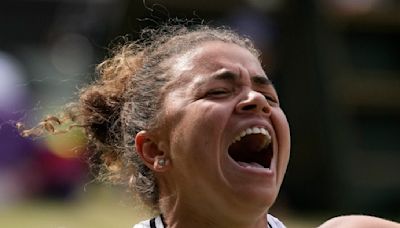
(252, 164)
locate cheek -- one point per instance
(197, 128)
(281, 126)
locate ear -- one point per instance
(152, 155)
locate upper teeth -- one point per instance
(253, 130)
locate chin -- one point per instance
(258, 198)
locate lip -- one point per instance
(265, 172)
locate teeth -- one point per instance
(253, 130)
(252, 165)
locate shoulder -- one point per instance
(274, 222)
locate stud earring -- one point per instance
(161, 162)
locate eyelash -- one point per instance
(270, 98)
(222, 92)
(217, 92)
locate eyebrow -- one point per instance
(232, 77)
(226, 76)
(261, 80)
(219, 76)
(258, 80)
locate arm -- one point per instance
(362, 221)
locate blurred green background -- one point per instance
(335, 63)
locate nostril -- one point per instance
(249, 107)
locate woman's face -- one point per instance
(227, 138)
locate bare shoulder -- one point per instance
(355, 221)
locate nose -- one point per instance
(254, 102)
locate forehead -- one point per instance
(214, 56)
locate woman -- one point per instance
(221, 147)
(190, 121)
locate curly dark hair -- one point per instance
(127, 97)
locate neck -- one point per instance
(221, 223)
(178, 215)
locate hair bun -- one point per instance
(101, 102)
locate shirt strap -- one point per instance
(153, 223)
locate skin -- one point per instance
(218, 90)
(361, 221)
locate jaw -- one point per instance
(249, 191)
(253, 187)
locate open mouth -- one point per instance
(252, 148)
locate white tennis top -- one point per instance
(158, 223)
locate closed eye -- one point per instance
(218, 93)
(272, 100)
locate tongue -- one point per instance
(248, 165)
